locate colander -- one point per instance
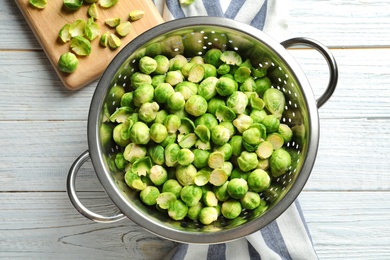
(190, 37)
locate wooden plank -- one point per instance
(46, 24)
(362, 84)
(46, 225)
(353, 155)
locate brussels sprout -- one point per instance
(134, 152)
(236, 144)
(262, 84)
(202, 132)
(158, 132)
(156, 154)
(148, 111)
(247, 161)
(242, 122)
(162, 64)
(161, 116)
(186, 174)
(194, 211)
(252, 136)
(274, 102)
(176, 101)
(142, 166)
(112, 21)
(220, 135)
(276, 140)
(165, 199)
(138, 79)
(149, 195)
(242, 74)
(231, 209)
(136, 15)
(280, 162)
(256, 102)
(162, 92)
(237, 101)
(286, 132)
(196, 105)
(209, 199)
(218, 176)
(271, 123)
(172, 123)
(139, 133)
(229, 126)
(200, 158)
(237, 188)
(134, 181)
(226, 149)
(172, 186)
(223, 69)
(73, 5)
(208, 215)
(191, 195)
(251, 200)
(226, 86)
(216, 160)
(224, 113)
(187, 89)
(147, 65)
(127, 100)
(258, 115)
(171, 151)
(158, 175)
(197, 60)
(207, 88)
(213, 56)
(258, 180)
(117, 136)
(231, 58)
(188, 140)
(214, 103)
(196, 73)
(209, 71)
(185, 157)
(68, 62)
(174, 77)
(264, 150)
(185, 70)
(248, 85)
(177, 62)
(263, 164)
(120, 161)
(202, 177)
(171, 138)
(207, 120)
(221, 192)
(143, 94)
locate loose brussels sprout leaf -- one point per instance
(216, 160)
(135, 15)
(202, 177)
(276, 140)
(73, 5)
(64, 34)
(264, 150)
(133, 152)
(124, 28)
(209, 199)
(142, 166)
(80, 45)
(242, 74)
(218, 177)
(77, 28)
(196, 73)
(231, 58)
(203, 133)
(186, 126)
(107, 3)
(121, 114)
(40, 4)
(224, 113)
(134, 181)
(188, 140)
(68, 62)
(92, 29)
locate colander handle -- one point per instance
(333, 70)
(71, 189)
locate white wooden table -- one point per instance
(346, 202)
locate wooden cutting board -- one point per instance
(47, 23)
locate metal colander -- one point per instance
(191, 37)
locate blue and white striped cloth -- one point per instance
(287, 237)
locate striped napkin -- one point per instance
(287, 237)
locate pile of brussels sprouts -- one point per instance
(201, 138)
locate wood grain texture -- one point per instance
(47, 23)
